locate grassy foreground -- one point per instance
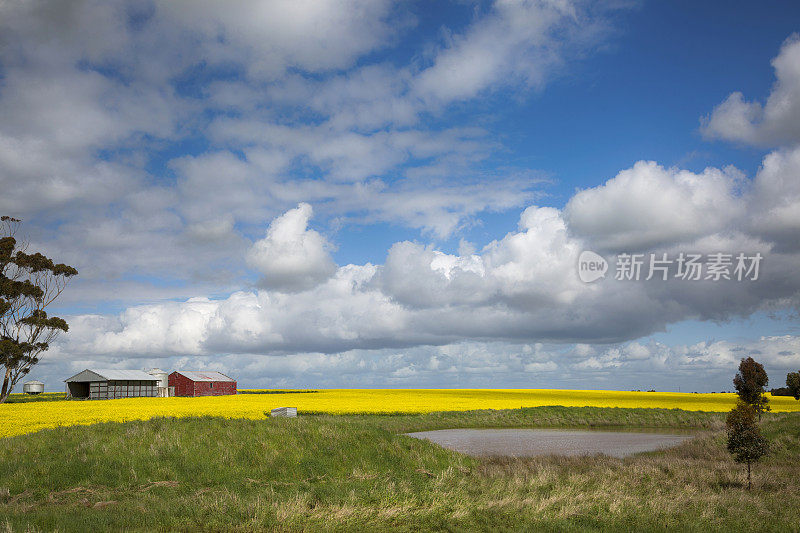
(356, 472)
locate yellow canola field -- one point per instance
(21, 418)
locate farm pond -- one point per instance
(533, 442)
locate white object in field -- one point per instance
(286, 412)
(166, 392)
(33, 387)
(163, 377)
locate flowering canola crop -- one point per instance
(21, 418)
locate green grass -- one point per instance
(359, 473)
(43, 397)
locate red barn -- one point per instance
(195, 383)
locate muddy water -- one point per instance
(531, 442)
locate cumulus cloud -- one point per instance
(648, 205)
(426, 313)
(291, 256)
(775, 203)
(776, 122)
(523, 287)
(533, 266)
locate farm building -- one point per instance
(111, 384)
(164, 389)
(196, 383)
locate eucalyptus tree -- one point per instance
(750, 383)
(793, 384)
(745, 441)
(29, 283)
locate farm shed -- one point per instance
(198, 383)
(111, 384)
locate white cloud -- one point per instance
(521, 288)
(515, 43)
(777, 122)
(96, 95)
(534, 266)
(214, 185)
(269, 37)
(353, 156)
(217, 229)
(438, 197)
(512, 44)
(775, 204)
(549, 366)
(364, 99)
(291, 256)
(419, 276)
(648, 205)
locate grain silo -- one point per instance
(163, 382)
(33, 387)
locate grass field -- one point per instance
(358, 472)
(21, 418)
(30, 398)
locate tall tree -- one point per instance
(28, 284)
(793, 383)
(750, 383)
(745, 441)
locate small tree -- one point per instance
(793, 384)
(28, 284)
(745, 441)
(750, 382)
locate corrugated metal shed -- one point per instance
(196, 375)
(107, 384)
(110, 375)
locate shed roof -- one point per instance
(111, 375)
(198, 375)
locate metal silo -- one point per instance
(163, 381)
(33, 387)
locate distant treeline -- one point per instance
(781, 391)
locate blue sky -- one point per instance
(638, 96)
(393, 194)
